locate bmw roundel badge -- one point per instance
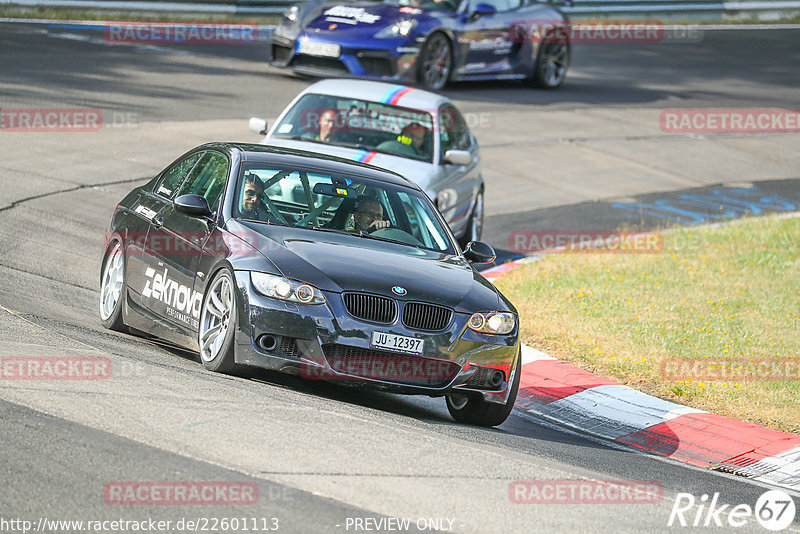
(397, 290)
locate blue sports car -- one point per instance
(425, 42)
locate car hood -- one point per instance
(364, 18)
(339, 262)
(421, 173)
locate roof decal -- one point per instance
(393, 95)
(364, 157)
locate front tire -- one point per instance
(435, 62)
(552, 61)
(218, 320)
(476, 411)
(112, 288)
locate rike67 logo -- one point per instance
(774, 510)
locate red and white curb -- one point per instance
(575, 398)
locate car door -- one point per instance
(148, 205)
(175, 244)
(488, 41)
(459, 182)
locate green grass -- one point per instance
(711, 293)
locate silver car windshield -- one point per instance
(359, 124)
(360, 207)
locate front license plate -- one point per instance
(393, 342)
(319, 49)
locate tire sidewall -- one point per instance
(224, 360)
(420, 74)
(114, 321)
(538, 73)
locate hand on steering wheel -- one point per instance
(378, 225)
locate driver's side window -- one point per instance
(453, 130)
(173, 177)
(208, 178)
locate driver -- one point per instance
(368, 217)
(252, 205)
(326, 127)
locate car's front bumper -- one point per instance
(381, 59)
(311, 340)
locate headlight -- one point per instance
(278, 287)
(492, 322)
(292, 14)
(401, 28)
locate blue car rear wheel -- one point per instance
(435, 62)
(552, 61)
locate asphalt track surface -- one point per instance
(320, 455)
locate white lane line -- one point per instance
(612, 411)
(683, 410)
(529, 355)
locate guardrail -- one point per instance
(707, 9)
(212, 7)
(580, 8)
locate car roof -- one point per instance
(387, 93)
(293, 156)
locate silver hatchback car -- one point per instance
(416, 133)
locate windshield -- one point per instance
(359, 124)
(360, 207)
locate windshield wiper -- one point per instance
(366, 235)
(362, 233)
(331, 230)
(271, 221)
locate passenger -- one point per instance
(410, 142)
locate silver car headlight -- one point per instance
(401, 28)
(492, 322)
(278, 287)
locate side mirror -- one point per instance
(458, 157)
(482, 10)
(258, 126)
(192, 205)
(479, 252)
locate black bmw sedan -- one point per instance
(313, 265)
